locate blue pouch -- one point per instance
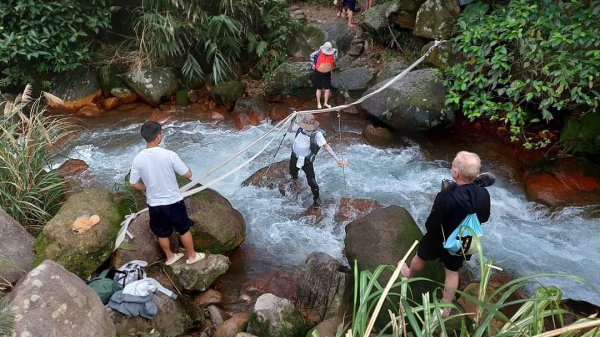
(464, 240)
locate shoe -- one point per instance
(199, 256)
(175, 258)
(317, 203)
(404, 270)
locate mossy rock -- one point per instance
(228, 92)
(182, 98)
(582, 135)
(83, 253)
(288, 78)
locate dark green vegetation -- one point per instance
(526, 63)
(28, 138)
(39, 38)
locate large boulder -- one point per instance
(436, 19)
(249, 111)
(50, 301)
(219, 228)
(408, 5)
(323, 288)
(228, 92)
(352, 79)
(442, 56)
(313, 35)
(16, 249)
(75, 88)
(289, 77)
(153, 85)
(200, 275)
(391, 69)
(81, 254)
(416, 101)
(376, 19)
(582, 135)
(276, 317)
(272, 176)
(173, 318)
(382, 238)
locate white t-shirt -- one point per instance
(157, 167)
(301, 145)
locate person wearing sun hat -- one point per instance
(322, 61)
(309, 139)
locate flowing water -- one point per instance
(522, 237)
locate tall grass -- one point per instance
(7, 319)
(28, 192)
(539, 315)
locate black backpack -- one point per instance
(104, 285)
(314, 147)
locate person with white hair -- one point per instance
(450, 207)
(323, 62)
(307, 143)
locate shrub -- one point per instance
(28, 192)
(526, 62)
(41, 37)
(423, 317)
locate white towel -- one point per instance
(300, 162)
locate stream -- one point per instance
(521, 237)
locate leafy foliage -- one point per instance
(526, 62)
(7, 319)
(40, 37)
(29, 193)
(208, 39)
(424, 318)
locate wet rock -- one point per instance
(124, 95)
(379, 136)
(566, 182)
(280, 283)
(173, 318)
(383, 237)
(16, 249)
(233, 326)
(276, 317)
(218, 227)
(81, 254)
(582, 135)
(90, 110)
(216, 116)
(200, 275)
(52, 301)
(279, 111)
(270, 176)
(323, 288)
(249, 111)
(76, 88)
(436, 19)
(327, 328)
(217, 315)
(352, 209)
(153, 85)
(72, 166)
(159, 116)
(110, 103)
(414, 102)
(208, 297)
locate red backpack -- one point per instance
(325, 63)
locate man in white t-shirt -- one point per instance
(304, 151)
(153, 172)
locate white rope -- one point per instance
(282, 125)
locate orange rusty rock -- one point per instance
(159, 116)
(216, 116)
(546, 189)
(126, 97)
(279, 111)
(72, 166)
(110, 103)
(73, 106)
(90, 110)
(351, 209)
(377, 135)
(242, 120)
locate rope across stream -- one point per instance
(281, 126)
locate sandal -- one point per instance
(198, 257)
(176, 258)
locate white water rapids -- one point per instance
(521, 237)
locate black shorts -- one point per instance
(321, 80)
(165, 218)
(431, 249)
(350, 4)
